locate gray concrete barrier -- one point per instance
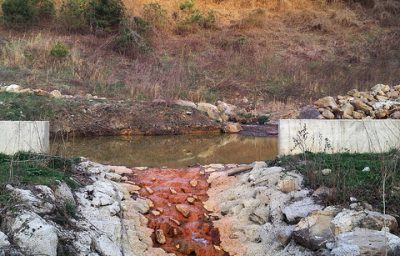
(333, 136)
(24, 136)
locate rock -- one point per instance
(300, 209)
(33, 234)
(314, 231)
(193, 183)
(358, 115)
(185, 103)
(346, 221)
(393, 94)
(366, 242)
(326, 102)
(328, 114)
(289, 183)
(232, 127)
(4, 240)
(395, 115)
(113, 176)
(27, 199)
(366, 169)
(347, 109)
(190, 200)
(211, 110)
(228, 109)
(309, 112)
(326, 172)
(325, 193)
(183, 209)
(160, 237)
(360, 105)
(13, 88)
(377, 221)
(56, 94)
(106, 247)
(380, 88)
(381, 113)
(354, 93)
(64, 195)
(141, 205)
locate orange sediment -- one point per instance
(181, 224)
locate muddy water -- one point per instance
(171, 151)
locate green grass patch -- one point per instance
(34, 169)
(28, 107)
(347, 175)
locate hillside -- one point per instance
(206, 50)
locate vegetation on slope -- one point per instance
(202, 50)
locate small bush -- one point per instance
(72, 14)
(155, 14)
(191, 19)
(133, 37)
(59, 50)
(105, 14)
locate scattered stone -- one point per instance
(232, 127)
(173, 191)
(326, 172)
(300, 209)
(327, 114)
(326, 102)
(175, 221)
(346, 221)
(193, 183)
(190, 200)
(314, 231)
(366, 242)
(13, 88)
(160, 237)
(366, 169)
(56, 94)
(149, 190)
(289, 184)
(155, 212)
(183, 209)
(4, 240)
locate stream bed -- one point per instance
(170, 151)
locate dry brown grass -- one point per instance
(264, 50)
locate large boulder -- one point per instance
(377, 221)
(314, 231)
(326, 102)
(366, 242)
(13, 88)
(309, 112)
(211, 110)
(33, 234)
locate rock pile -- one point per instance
(97, 219)
(381, 102)
(267, 211)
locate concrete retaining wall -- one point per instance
(24, 136)
(331, 136)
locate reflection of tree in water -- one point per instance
(173, 151)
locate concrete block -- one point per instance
(334, 136)
(24, 136)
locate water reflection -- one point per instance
(171, 151)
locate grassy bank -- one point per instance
(348, 179)
(28, 169)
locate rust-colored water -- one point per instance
(193, 234)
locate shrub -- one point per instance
(155, 14)
(44, 8)
(105, 14)
(59, 50)
(190, 19)
(72, 14)
(133, 37)
(25, 12)
(18, 12)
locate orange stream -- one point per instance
(195, 234)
